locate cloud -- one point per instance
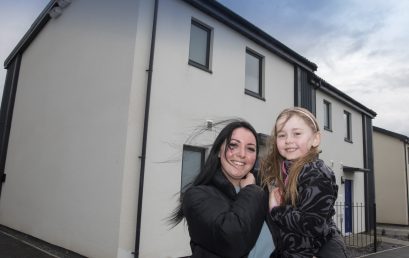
(360, 47)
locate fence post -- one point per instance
(374, 226)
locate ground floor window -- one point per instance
(192, 162)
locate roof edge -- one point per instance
(399, 136)
(32, 32)
(320, 83)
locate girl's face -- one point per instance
(295, 137)
(239, 155)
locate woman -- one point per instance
(224, 208)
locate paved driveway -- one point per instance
(12, 248)
(399, 252)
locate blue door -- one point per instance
(348, 206)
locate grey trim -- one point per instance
(406, 150)
(6, 112)
(369, 178)
(197, 149)
(209, 31)
(348, 136)
(260, 94)
(328, 115)
(35, 28)
(355, 169)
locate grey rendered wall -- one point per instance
(390, 180)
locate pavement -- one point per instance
(398, 252)
(392, 234)
(10, 247)
(14, 244)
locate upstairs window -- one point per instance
(254, 74)
(327, 116)
(192, 162)
(348, 126)
(199, 49)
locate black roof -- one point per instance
(230, 19)
(249, 30)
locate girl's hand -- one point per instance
(249, 179)
(276, 198)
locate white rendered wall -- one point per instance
(68, 137)
(137, 98)
(183, 98)
(390, 180)
(336, 152)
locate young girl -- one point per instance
(303, 189)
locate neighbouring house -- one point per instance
(391, 160)
(109, 108)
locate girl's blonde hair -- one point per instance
(271, 165)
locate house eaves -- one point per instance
(247, 29)
(324, 86)
(212, 8)
(33, 31)
(398, 136)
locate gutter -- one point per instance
(405, 149)
(145, 132)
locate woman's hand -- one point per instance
(249, 179)
(276, 197)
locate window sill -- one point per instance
(253, 94)
(200, 66)
(348, 140)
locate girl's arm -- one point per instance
(229, 229)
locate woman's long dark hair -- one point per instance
(212, 164)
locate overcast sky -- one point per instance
(360, 46)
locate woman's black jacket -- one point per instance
(221, 222)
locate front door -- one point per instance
(348, 206)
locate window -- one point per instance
(348, 125)
(199, 50)
(327, 116)
(192, 163)
(254, 74)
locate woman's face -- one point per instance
(238, 156)
(295, 138)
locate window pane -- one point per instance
(252, 73)
(347, 121)
(191, 165)
(346, 125)
(327, 115)
(198, 50)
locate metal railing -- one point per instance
(353, 222)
